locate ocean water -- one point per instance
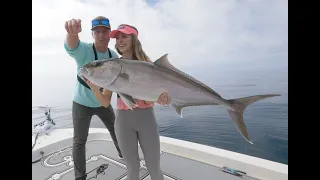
(266, 120)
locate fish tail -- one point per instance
(238, 107)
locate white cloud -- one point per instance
(192, 32)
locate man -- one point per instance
(85, 104)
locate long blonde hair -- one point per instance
(138, 52)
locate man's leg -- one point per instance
(81, 116)
(107, 117)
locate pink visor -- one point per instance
(124, 29)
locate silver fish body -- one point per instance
(133, 79)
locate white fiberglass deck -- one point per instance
(180, 160)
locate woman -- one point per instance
(138, 124)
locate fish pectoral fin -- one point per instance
(124, 76)
(128, 100)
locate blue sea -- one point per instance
(266, 120)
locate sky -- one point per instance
(197, 35)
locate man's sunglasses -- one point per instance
(104, 22)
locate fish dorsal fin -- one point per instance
(164, 63)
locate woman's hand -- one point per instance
(93, 87)
(103, 97)
(164, 99)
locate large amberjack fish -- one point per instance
(133, 79)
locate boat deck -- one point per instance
(57, 164)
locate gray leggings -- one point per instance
(139, 125)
